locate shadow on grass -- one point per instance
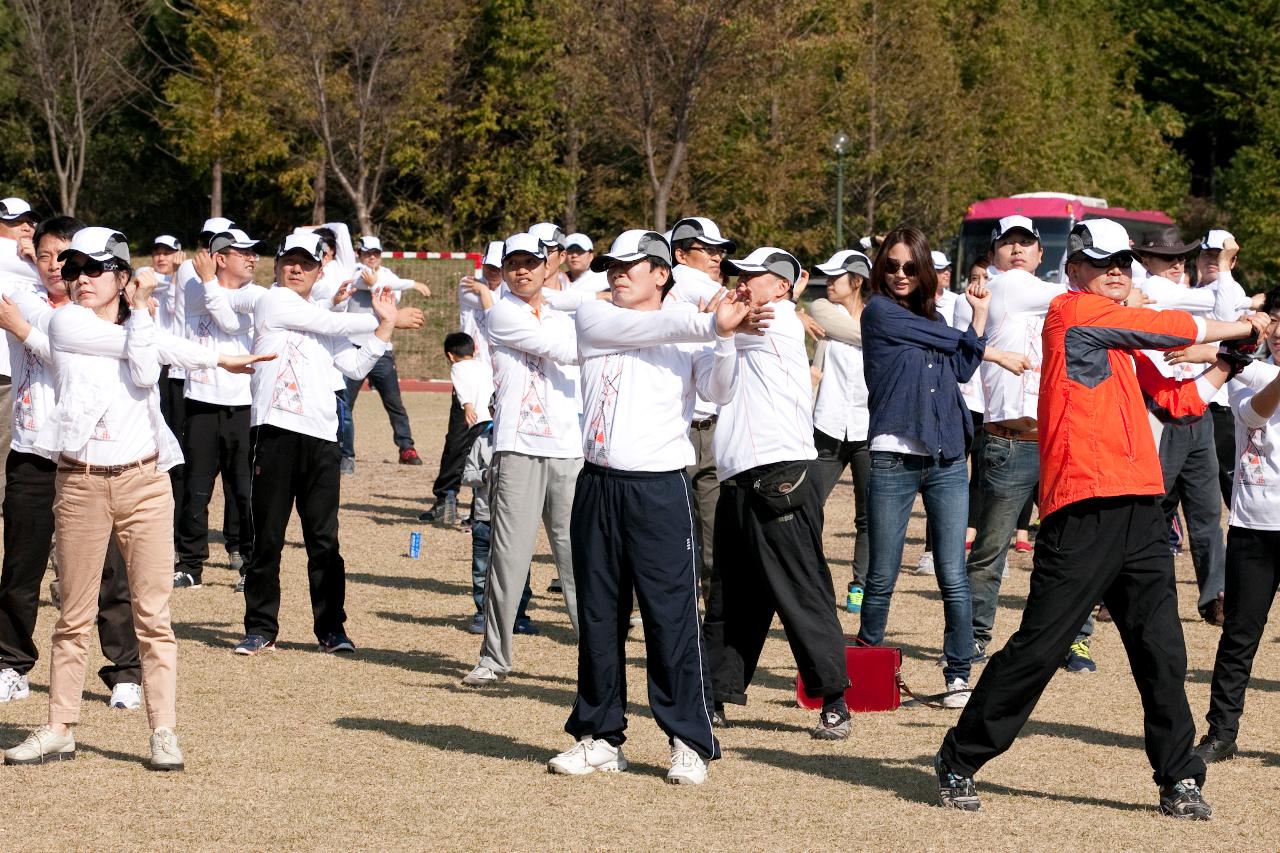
(384, 513)
(468, 741)
(11, 735)
(425, 584)
(1205, 676)
(1124, 740)
(911, 778)
(555, 632)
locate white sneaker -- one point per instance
(126, 696)
(13, 686)
(925, 566)
(587, 756)
(957, 700)
(482, 676)
(165, 754)
(41, 747)
(687, 767)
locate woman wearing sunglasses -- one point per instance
(112, 448)
(920, 430)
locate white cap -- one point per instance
(549, 234)
(15, 208)
(580, 240)
(1014, 223)
(634, 245)
(1216, 239)
(766, 259)
(101, 244)
(168, 241)
(493, 254)
(846, 260)
(217, 225)
(1098, 238)
(232, 238)
(369, 244)
(307, 243)
(702, 229)
(523, 242)
(940, 260)
(866, 243)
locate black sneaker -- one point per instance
(236, 560)
(252, 644)
(1184, 801)
(186, 580)
(337, 643)
(430, 515)
(239, 587)
(833, 724)
(524, 625)
(1212, 748)
(555, 586)
(347, 466)
(955, 791)
(718, 719)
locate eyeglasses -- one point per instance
(1119, 259)
(710, 251)
(72, 270)
(892, 265)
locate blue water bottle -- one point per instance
(415, 545)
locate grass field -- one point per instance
(384, 750)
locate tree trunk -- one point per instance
(215, 191)
(319, 186)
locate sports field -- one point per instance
(384, 750)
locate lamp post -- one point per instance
(840, 144)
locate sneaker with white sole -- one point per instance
(186, 580)
(482, 676)
(41, 747)
(925, 564)
(126, 696)
(587, 756)
(687, 767)
(956, 699)
(13, 686)
(165, 754)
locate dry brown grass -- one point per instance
(299, 751)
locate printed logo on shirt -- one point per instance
(1251, 471)
(533, 418)
(102, 432)
(286, 394)
(204, 337)
(24, 413)
(1034, 352)
(597, 450)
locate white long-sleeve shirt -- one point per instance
(641, 371)
(472, 320)
(168, 319)
(224, 332)
(769, 418)
(694, 287)
(841, 408)
(1255, 495)
(16, 274)
(295, 392)
(1015, 323)
(472, 381)
(537, 400)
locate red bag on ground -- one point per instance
(873, 678)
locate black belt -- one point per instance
(705, 423)
(73, 466)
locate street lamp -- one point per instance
(840, 144)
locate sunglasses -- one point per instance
(892, 265)
(1120, 259)
(72, 270)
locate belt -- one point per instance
(1011, 434)
(72, 466)
(705, 423)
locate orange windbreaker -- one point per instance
(1095, 438)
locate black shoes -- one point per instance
(718, 719)
(1184, 801)
(956, 791)
(833, 724)
(1212, 748)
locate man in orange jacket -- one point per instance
(1103, 534)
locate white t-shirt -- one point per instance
(1015, 323)
(640, 373)
(695, 288)
(841, 409)
(15, 274)
(770, 416)
(537, 399)
(473, 383)
(1255, 493)
(229, 334)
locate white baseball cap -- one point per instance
(766, 259)
(549, 234)
(525, 243)
(307, 243)
(580, 240)
(940, 260)
(100, 244)
(702, 229)
(233, 238)
(15, 208)
(1098, 238)
(1216, 239)
(369, 243)
(217, 225)
(168, 241)
(846, 260)
(1014, 223)
(493, 254)
(634, 245)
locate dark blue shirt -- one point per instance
(914, 367)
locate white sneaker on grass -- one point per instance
(587, 756)
(13, 686)
(126, 696)
(41, 747)
(925, 565)
(482, 676)
(687, 767)
(957, 700)
(165, 754)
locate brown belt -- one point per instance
(705, 423)
(1011, 434)
(74, 466)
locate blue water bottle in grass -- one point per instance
(415, 545)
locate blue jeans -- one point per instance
(896, 478)
(480, 535)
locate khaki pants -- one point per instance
(138, 506)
